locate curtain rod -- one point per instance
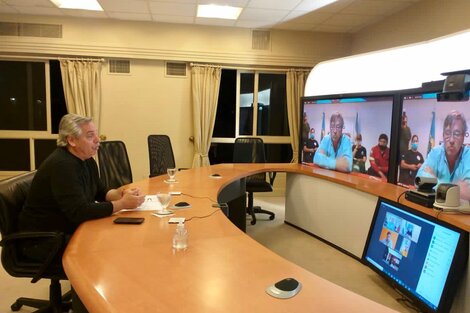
(29, 57)
(233, 67)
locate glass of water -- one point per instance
(171, 174)
(164, 199)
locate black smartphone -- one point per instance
(129, 220)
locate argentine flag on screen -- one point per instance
(357, 126)
(322, 127)
(432, 133)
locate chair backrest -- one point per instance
(160, 154)
(13, 194)
(249, 150)
(115, 169)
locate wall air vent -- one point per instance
(118, 66)
(175, 69)
(261, 40)
(30, 30)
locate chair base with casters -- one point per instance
(253, 210)
(56, 303)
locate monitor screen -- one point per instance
(434, 141)
(421, 256)
(348, 133)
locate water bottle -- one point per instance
(180, 238)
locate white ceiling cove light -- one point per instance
(91, 5)
(218, 11)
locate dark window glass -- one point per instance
(22, 96)
(246, 103)
(15, 155)
(278, 152)
(58, 108)
(226, 105)
(42, 149)
(272, 105)
(275, 153)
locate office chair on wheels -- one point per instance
(160, 154)
(13, 193)
(115, 168)
(251, 150)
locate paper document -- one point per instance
(151, 203)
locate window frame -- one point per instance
(266, 138)
(31, 135)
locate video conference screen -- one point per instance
(423, 257)
(434, 141)
(348, 134)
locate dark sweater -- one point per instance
(65, 192)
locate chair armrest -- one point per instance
(28, 235)
(56, 244)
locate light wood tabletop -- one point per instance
(133, 268)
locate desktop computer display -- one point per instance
(422, 257)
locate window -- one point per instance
(31, 105)
(251, 103)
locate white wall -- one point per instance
(426, 20)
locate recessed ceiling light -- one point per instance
(91, 5)
(218, 11)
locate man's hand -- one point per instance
(342, 164)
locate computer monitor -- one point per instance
(365, 116)
(419, 255)
(422, 130)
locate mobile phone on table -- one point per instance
(129, 220)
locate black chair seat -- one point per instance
(259, 186)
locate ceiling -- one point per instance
(346, 16)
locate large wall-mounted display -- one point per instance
(434, 141)
(348, 133)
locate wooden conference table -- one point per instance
(133, 268)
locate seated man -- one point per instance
(335, 151)
(379, 156)
(66, 190)
(450, 163)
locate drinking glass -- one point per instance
(171, 173)
(164, 199)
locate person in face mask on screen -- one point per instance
(379, 156)
(310, 145)
(410, 163)
(359, 155)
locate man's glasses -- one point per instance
(337, 127)
(455, 134)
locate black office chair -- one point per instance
(115, 169)
(160, 154)
(251, 150)
(13, 193)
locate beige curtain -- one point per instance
(82, 87)
(295, 80)
(205, 83)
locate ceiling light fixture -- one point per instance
(218, 11)
(91, 5)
